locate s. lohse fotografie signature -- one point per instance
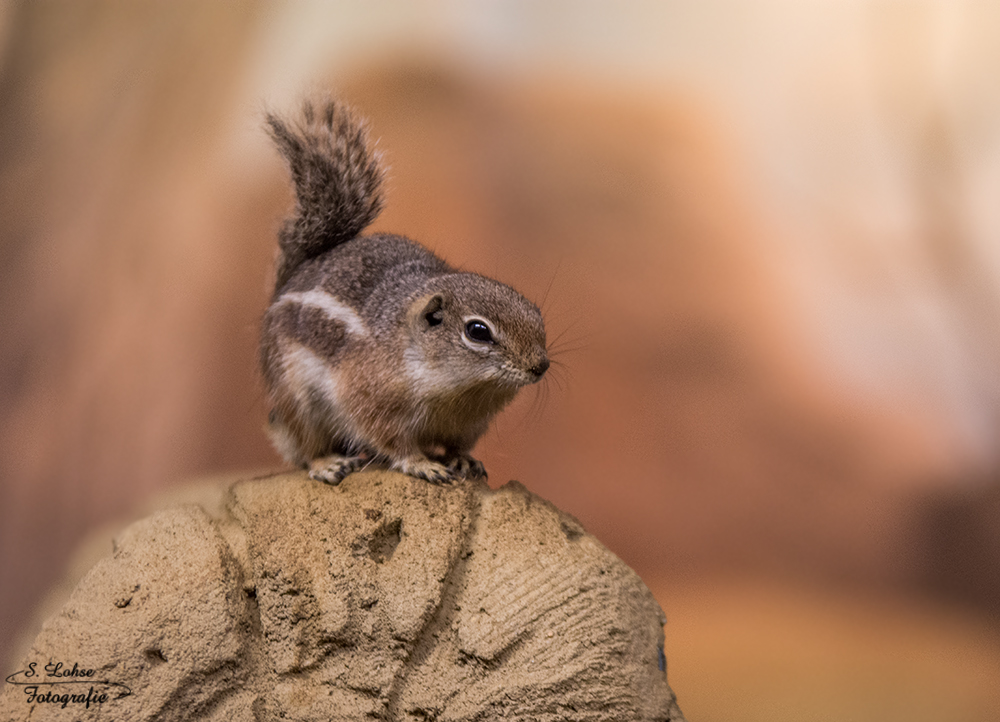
(50, 685)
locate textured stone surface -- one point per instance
(385, 598)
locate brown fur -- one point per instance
(366, 349)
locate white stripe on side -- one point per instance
(305, 372)
(306, 375)
(329, 304)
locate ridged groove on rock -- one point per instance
(437, 622)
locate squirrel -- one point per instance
(373, 349)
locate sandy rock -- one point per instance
(385, 598)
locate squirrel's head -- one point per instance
(467, 330)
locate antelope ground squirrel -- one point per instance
(373, 348)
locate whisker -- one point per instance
(562, 350)
(558, 381)
(552, 280)
(561, 344)
(538, 403)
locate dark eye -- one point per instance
(478, 331)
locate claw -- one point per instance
(466, 467)
(334, 469)
(424, 468)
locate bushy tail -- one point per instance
(338, 181)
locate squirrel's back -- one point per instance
(370, 273)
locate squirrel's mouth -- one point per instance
(518, 377)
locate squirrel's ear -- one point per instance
(428, 311)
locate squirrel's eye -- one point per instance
(478, 331)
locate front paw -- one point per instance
(464, 466)
(424, 468)
(333, 469)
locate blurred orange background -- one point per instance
(765, 237)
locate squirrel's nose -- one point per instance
(540, 368)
